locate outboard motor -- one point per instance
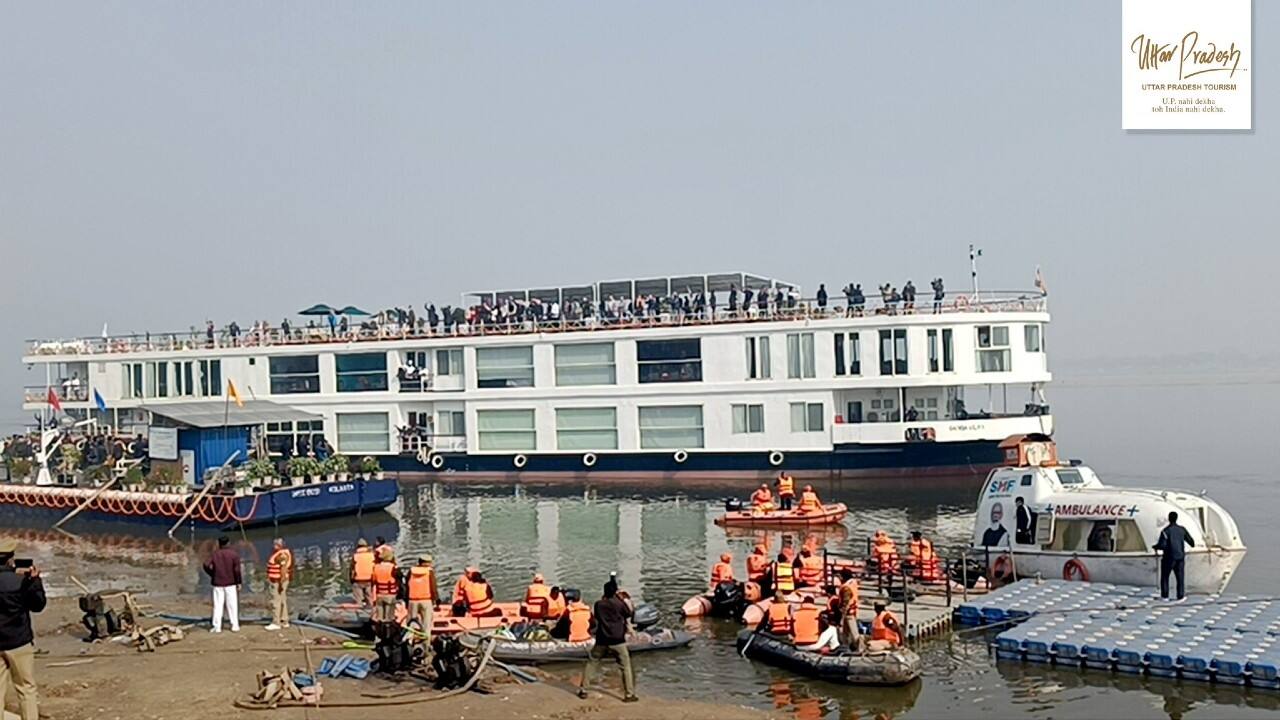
(645, 615)
(395, 654)
(733, 505)
(98, 619)
(968, 573)
(727, 600)
(449, 663)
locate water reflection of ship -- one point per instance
(1030, 681)
(813, 703)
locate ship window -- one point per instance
(286, 435)
(449, 362)
(748, 419)
(363, 433)
(993, 348)
(662, 361)
(932, 336)
(1031, 338)
(509, 430)
(893, 352)
(587, 428)
(504, 367)
(806, 417)
(672, 427)
(854, 355)
(453, 423)
(839, 348)
(361, 372)
(1068, 476)
(948, 354)
(294, 375)
(184, 379)
(585, 364)
(758, 358)
(1089, 535)
(800, 356)
(211, 378)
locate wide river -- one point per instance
(1195, 434)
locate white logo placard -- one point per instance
(1186, 64)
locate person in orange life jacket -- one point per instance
(460, 590)
(480, 597)
(804, 623)
(885, 626)
(757, 564)
(784, 574)
(762, 499)
(560, 631)
(810, 569)
(610, 614)
(279, 573)
(380, 544)
(555, 603)
(848, 594)
(777, 619)
(885, 553)
(809, 502)
(422, 593)
(722, 571)
(537, 599)
(386, 586)
(362, 562)
(828, 634)
(923, 557)
(786, 490)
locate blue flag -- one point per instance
(97, 400)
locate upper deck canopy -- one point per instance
(717, 282)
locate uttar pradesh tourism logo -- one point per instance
(1191, 56)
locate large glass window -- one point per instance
(993, 348)
(452, 423)
(284, 435)
(806, 417)
(361, 372)
(758, 358)
(854, 354)
(748, 419)
(932, 336)
(510, 430)
(132, 380)
(673, 427)
(211, 378)
(587, 428)
(449, 361)
(893, 352)
(504, 367)
(948, 352)
(363, 433)
(184, 378)
(1031, 338)
(295, 375)
(585, 364)
(662, 361)
(800, 355)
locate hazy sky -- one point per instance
(164, 163)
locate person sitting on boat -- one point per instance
(810, 569)
(805, 628)
(828, 637)
(575, 623)
(777, 619)
(460, 587)
(480, 597)
(885, 627)
(848, 595)
(923, 558)
(762, 500)
(555, 603)
(784, 575)
(757, 565)
(786, 490)
(722, 571)
(362, 562)
(885, 553)
(809, 502)
(537, 599)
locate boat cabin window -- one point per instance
(1088, 535)
(1026, 480)
(1070, 476)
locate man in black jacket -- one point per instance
(21, 593)
(610, 617)
(1173, 542)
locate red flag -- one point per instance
(54, 402)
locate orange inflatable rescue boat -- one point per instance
(747, 517)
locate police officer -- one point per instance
(21, 593)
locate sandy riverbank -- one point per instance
(202, 675)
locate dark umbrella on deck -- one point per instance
(351, 310)
(320, 309)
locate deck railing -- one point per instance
(807, 309)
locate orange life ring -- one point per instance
(1075, 570)
(1002, 568)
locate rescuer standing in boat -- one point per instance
(21, 593)
(786, 490)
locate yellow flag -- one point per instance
(233, 394)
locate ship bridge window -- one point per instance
(591, 364)
(1089, 535)
(662, 361)
(504, 367)
(294, 375)
(1069, 476)
(361, 372)
(993, 348)
(295, 438)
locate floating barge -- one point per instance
(1223, 639)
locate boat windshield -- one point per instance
(1070, 476)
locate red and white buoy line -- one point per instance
(213, 509)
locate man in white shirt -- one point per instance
(828, 641)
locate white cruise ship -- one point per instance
(892, 387)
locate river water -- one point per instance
(660, 539)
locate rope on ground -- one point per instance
(475, 677)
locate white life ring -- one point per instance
(589, 459)
(437, 461)
(680, 456)
(776, 457)
(520, 460)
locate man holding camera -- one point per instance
(21, 593)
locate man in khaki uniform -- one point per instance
(279, 573)
(21, 593)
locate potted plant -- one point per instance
(20, 469)
(70, 462)
(165, 479)
(314, 470)
(133, 479)
(261, 472)
(242, 485)
(338, 467)
(297, 469)
(369, 467)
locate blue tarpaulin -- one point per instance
(212, 446)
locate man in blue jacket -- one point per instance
(1174, 541)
